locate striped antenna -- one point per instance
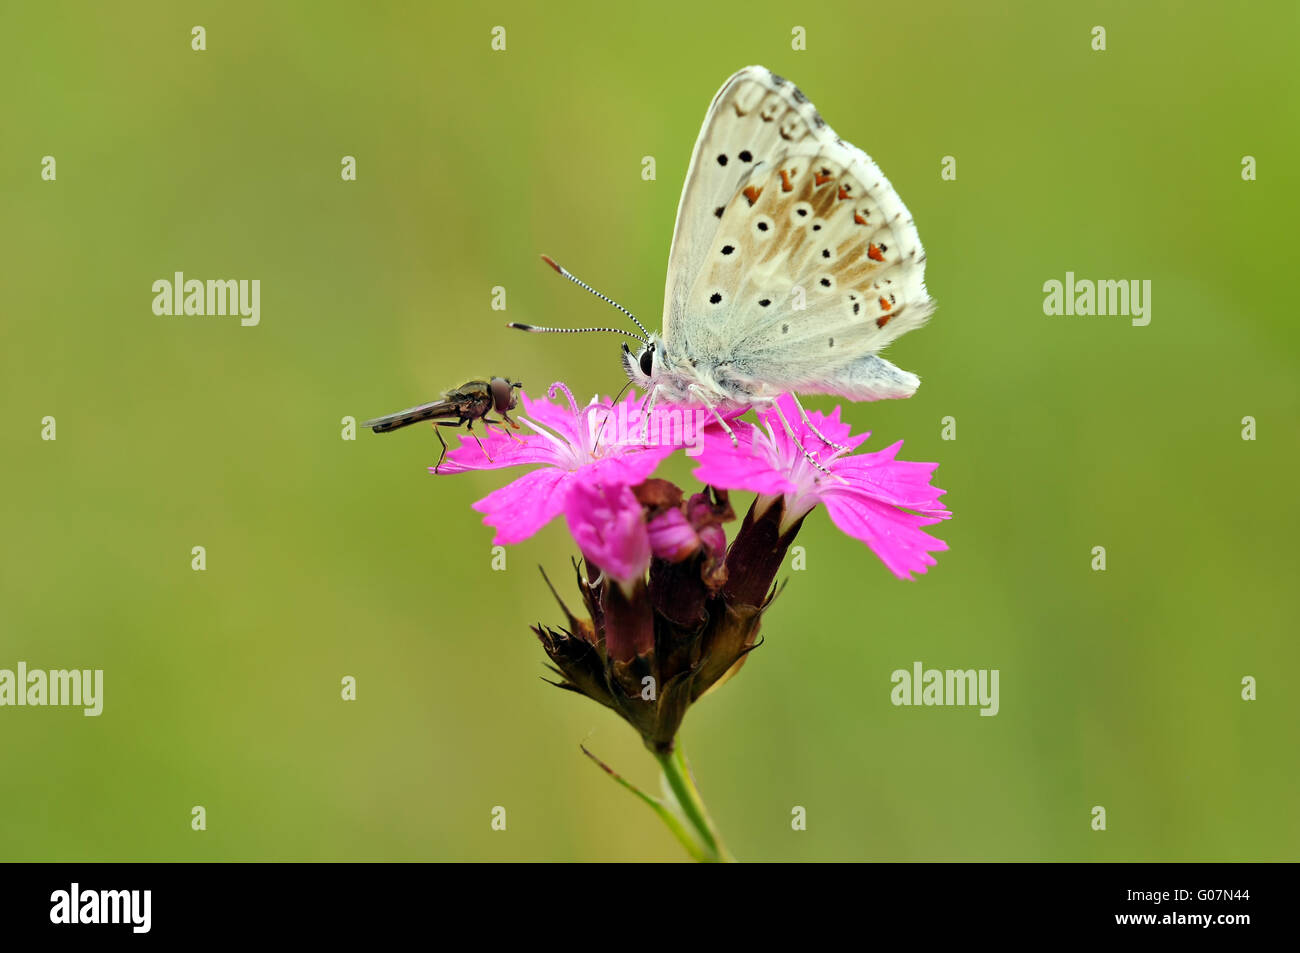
(586, 287)
(537, 329)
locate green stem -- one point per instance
(693, 847)
(678, 776)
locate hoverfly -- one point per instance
(469, 402)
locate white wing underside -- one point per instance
(777, 212)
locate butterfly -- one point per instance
(793, 263)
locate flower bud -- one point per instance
(672, 538)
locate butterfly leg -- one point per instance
(807, 456)
(648, 406)
(703, 397)
(816, 433)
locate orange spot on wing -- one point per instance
(883, 320)
(875, 253)
(752, 193)
(844, 191)
(785, 180)
(859, 218)
(821, 179)
(885, 305)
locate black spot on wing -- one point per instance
(777, 81)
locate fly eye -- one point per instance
(647, 361)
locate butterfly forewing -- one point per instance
(733, 141)
(795, 259)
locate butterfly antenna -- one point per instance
(560, 269)
(538, 329)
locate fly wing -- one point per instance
(437, 410)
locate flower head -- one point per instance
(573, 446)
(872, 497)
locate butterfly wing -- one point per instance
(793, 261)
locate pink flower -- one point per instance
(573, 448)
(608, 525)
(872, 497)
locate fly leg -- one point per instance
(438, 433)
(489, 420)
(469, 422)
(469, 425)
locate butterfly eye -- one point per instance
(647, 361)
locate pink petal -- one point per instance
(608, 525)
(747, 466)
(555, 416)
(902, 483)
(892, 534)
(520, 508)
(497, 451)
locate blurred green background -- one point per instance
(328, 557)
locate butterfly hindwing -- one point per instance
(813, 263)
